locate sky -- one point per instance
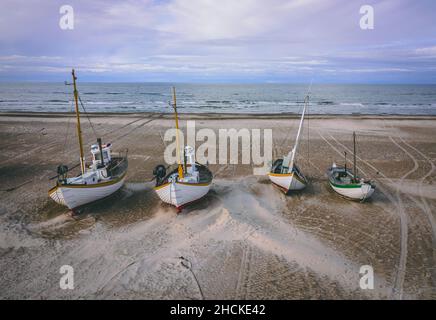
(253, 41)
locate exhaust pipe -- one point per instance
(101, 150)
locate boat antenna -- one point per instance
(79, 131)
(354, 156)
(180, 167)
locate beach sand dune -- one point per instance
(245, 239)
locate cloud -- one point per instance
(426, 52)
(248, 40)
(19, 58)
(200, 20)
(377, 70)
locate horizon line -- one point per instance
(221, 82)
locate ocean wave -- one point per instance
(283, 103)
(351, 104)
(152, 93)
(323, 103)
(57, 101)
(218, 101)
(207, 107)
(203, 98)
(108, 102)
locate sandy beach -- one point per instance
(245, 239)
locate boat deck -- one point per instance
(205, 174)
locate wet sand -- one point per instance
(245, 239)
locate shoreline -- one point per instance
(218, 116)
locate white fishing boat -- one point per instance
(188, 182)
(101, 178)
(347, 183)
(284, 173)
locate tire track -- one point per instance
(54, 142)
(422, 202)
(221, 170)
(423, 205)
(31, 151)
(241, 273)
(399, 278)
(137, 127)
(75, 149)
(50, 144)
(421, 182)
(286, 141)
(404, 219)
(127, 124)
(312, 164)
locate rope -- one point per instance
(355, 155)
(292, 126)
(308, 132)
(295, 124)
(308, 118)
(87, 116)
(68, 129)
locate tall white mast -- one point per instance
(292, 153)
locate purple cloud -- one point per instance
(206, 40)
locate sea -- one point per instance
(221, 98)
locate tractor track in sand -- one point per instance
(399, 277)
(421, 204)
(75, 149)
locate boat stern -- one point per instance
(367, 191)
(57, 195)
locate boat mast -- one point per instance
(180, 167)
(354, 156)
(79, 131)
(345, 165)
(294, 150)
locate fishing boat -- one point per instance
(101, 178)
(189, 181)
(285, 174)
(347, 183)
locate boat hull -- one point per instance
(361, 192)
(74, 196)
(341, 181)
(287, 182)
(179, 194)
